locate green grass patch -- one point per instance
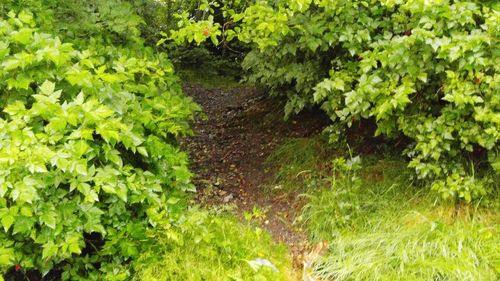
(208, 246)
(300, 164)
(414, 245)
(381, 224)
(385, 228)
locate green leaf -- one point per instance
(47, 88)
(7, 221)
(23, 35)
(49, 218)
(15, 108)
(25, 17)
(6, 257)
(49, 250)
(20, 82)
(142, 150)
(24, 225)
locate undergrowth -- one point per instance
(300, 164)
(381, 225)
(416, 245)
(207, 78)
(209, 246)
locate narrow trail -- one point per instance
(241, 128)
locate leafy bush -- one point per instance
(214, 247)
(112, 22)
(88, 157)
(183, 27)
(426, 70)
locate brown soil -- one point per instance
(241, 128)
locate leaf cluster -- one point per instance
(423, 70)
(88, 152)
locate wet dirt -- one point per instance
(241, 127)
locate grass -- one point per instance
(381, 226)
(394, 230)
(413, 245)
(209, 246)
(300, 164)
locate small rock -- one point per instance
(228, 198)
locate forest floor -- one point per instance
(241, 126)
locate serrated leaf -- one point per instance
(49, 250)
(49, 218)
(142, 150)
(23, 225)
(7, 221)
(47, 88)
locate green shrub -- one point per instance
(214, 247)
(425, 70)
(88, 157)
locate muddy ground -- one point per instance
(241, 127)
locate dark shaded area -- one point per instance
(229, 149)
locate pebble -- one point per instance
(228, 198)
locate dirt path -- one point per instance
(241, 128)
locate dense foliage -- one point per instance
(189, 24)
(88, 157)
(426, 71)
(93, 183)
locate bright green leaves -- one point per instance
(25, 191)
(195, 31)
(76, 156)
(456, 186)
(49, 218)
(8, 217)
(78, 76)
(47, 89)
(263, 25)
(323, 89)
(49, 250)
(23, 35)
(16, 108)
(19, 82)
(6, 256)
(426, 72)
